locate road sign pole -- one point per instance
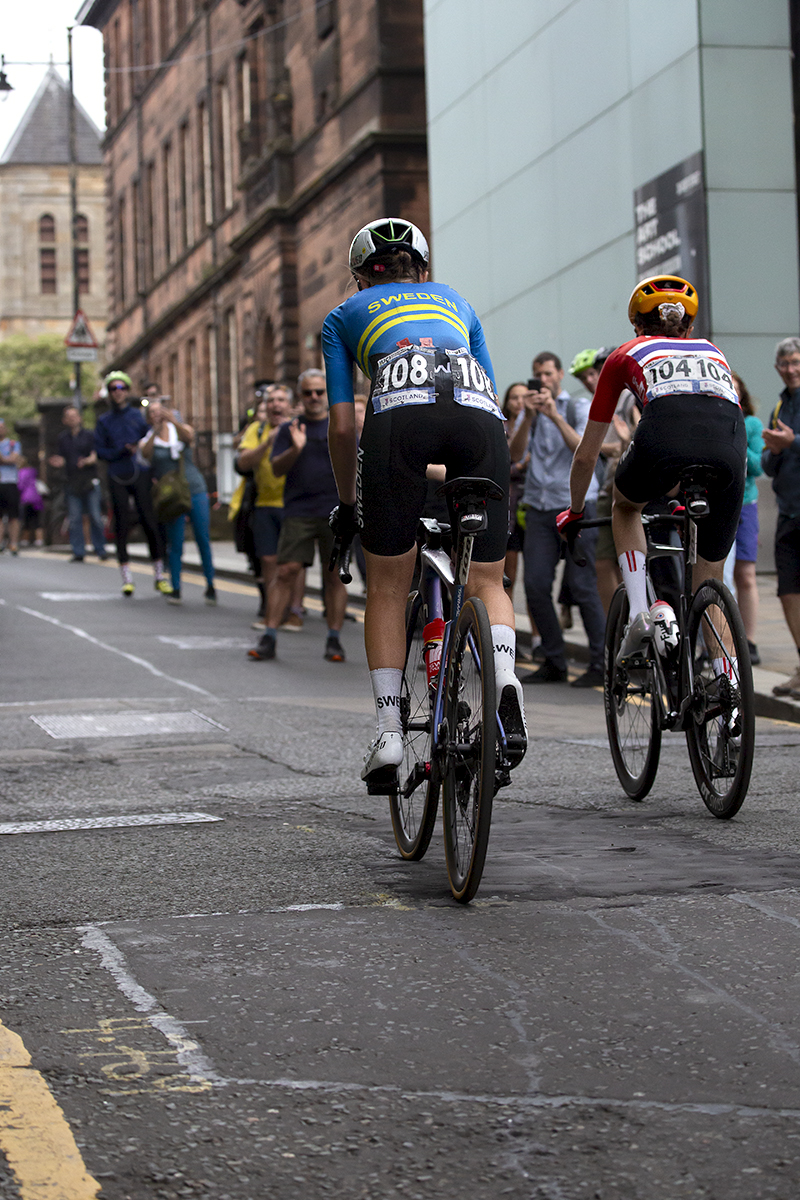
(73, 208)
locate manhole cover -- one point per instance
(124, 724)
(207, 643)
(79, 595)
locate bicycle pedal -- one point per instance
(382, 782)
(502, 778)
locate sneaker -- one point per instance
(755, 657)
(128, 589)
(334, 651)
(637, 638)
(164, 586)
(260, 624)
(265, 648)
(383, 757)
(589, 679)
(548, 673)
(76, 558)
(791, 685)
(511, 711)
(174, 596)
(293, 623)
(211, 595)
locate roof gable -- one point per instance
(42, 136)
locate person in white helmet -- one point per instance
(408, 336)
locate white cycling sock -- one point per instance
(631, 563)
(504, 642)
(726, 666)
(386, 682)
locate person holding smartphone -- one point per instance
(551, 431)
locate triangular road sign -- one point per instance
(80, 334)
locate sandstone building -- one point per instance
(36, 293)
(247, 142)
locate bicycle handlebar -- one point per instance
(340, 556)
(573, 531)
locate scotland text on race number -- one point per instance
(472, 385)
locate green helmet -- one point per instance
(581, 362)
(118, 377)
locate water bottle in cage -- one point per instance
(433, 635)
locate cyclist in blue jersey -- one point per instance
(432, 400)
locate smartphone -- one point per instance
(536, 384)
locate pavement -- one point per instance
(778, 656)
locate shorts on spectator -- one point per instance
(31, 518)
(9, 500)
(267, 523)
(298, 538)
(787, 555)
(605, 538)
(747, 533)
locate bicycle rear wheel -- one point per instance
(471, 749)
(631, 705)
(721, 735)
(414, 806)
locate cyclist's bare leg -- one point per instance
(389, 579)
(486, 583)
(626, 524)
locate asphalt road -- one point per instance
(218, 979)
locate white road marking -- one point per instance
(78, 595)
(123, 821)
(133, 658)
(189, 1054)
(123, 724)
(207, 643)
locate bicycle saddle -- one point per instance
(693, 485)
(464, 492)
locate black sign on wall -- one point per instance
(671, 238)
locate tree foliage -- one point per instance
(33, 369)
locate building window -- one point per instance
(226, 144)
(186, 212)
(326, 18)
(136, 206)
(163, 27)
(191, 381)
(81, 229)
(47, 228)
(166, 200)
(150, 223)
(233, 365)
(82, 253)
(47, 271)
(122, 290)
(206, 179)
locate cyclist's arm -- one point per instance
(584, 462)
(342, 447)
(105, 447)
(479, 349)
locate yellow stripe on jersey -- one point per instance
(425, 310)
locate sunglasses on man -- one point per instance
(313, 391)
(118, 387)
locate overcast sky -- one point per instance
(34, 31)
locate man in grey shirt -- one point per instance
(552, 427)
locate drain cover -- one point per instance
(79, 595)
(207, 643)
(124, 724)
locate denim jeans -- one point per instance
(200, 516)
(542, 552)
(89, 503)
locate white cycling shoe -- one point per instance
(637, 639)
(511, 710)
(383, 757)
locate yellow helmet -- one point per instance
(661, 289)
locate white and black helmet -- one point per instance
(386, 234)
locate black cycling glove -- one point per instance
(343, 522)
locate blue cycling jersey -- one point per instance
(380, 319)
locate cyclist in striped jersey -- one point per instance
(691, 417)
(432, 401)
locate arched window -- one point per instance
(47, 254)
(82, 252)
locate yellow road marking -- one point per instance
(34, 1134)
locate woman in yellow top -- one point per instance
(255, 455)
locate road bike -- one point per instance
(453, 739)
(701, 685)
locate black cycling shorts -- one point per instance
(396, 448)
(677, 432)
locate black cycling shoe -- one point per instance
(513, 724)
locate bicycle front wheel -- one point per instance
(470, 741)
(721, 733)
(631, 705)
(414, 806)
